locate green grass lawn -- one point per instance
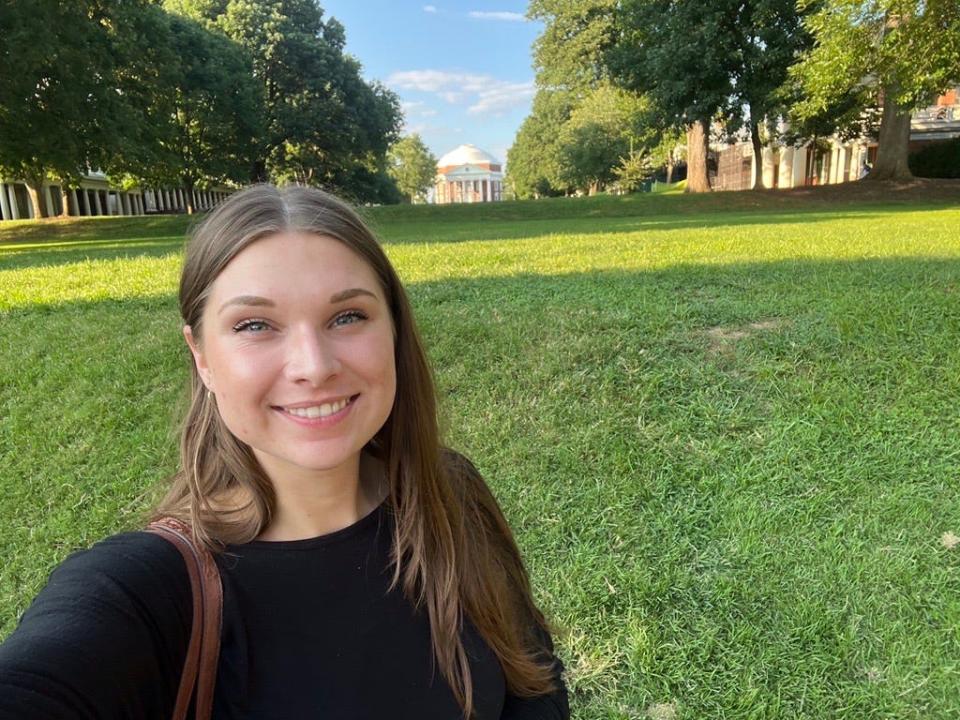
(725, 429)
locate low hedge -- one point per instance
(937, 160)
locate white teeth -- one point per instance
(318, 411)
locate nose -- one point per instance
(311, 357)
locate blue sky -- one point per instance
(462, 69)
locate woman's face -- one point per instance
(297, 345)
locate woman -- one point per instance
(358, 556)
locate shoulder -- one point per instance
(139, 563)
(110, 627)
(129, 578)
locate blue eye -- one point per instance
(255, 326)
(349, 317)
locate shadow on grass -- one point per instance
(121, 240)
(95, 228)
(535, 229)
(65, 253)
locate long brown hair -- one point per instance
(453, 551)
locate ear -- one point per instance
(198, 359)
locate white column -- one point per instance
(48, 199)
(799, 167)
(74, 204)
(841, 163)
(96, 202)
(4, 203)
(784, 172)
(206, 199)
(14, 209)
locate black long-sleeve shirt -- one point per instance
(310, 630)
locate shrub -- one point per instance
(937, 160)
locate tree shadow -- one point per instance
(55, 252)
(535, 229)
(68, 252)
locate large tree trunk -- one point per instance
(258, 173)
(894, 142)
(757, 156)
(697, 178)
(38, 198)
(64, 201)
(188, 186)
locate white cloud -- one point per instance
(416, 108)
(429, 8)
(485, 93)
(508, 16)
(502, 97)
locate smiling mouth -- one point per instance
(319, 411)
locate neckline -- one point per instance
(367, 521)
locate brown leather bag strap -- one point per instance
(203, 652)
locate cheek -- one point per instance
(241, 376)
(380, 365)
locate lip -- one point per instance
(319, 422)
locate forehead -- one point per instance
(294, 264)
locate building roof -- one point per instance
(467, 155)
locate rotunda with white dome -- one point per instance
(467, 174)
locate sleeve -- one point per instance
(552, 706)
(105, 639)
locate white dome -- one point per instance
(467, 155)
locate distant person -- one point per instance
(367, 571)
(864, 170)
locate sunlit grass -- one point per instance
(727, 440)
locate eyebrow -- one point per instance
(253, 300)
(257, 301)
(349, 294)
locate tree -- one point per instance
(322, 120)
(413, 167)
(908, 50)
(768, 36)
(675, 52)
(577, 33)
(71, 88)
(724, 60)
(534, 160)
(633, 169)
(601, 130)
(214, 106)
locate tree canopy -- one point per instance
(413, 167)
(192, 92)
(904, 52)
